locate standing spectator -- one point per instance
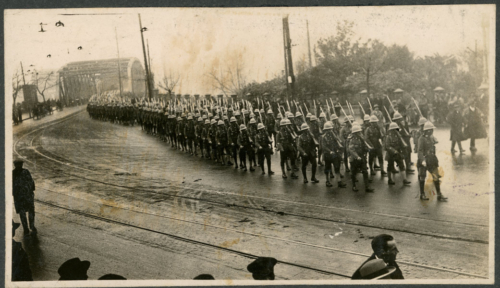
(384, 247)
(424, 106)
(20, 112)
(474, 127)
(24, 197)
(456, 120)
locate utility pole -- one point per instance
(309, 44)
(148, 82)
(288, 89)
(119, 66)
(22, 71)
(288, 43)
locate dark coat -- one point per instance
(456, 120)
(474, 127)
(398, 274)
(22, 190)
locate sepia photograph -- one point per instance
(249, 146)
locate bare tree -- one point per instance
(231, 78)
(16, 85)
(169, 82)
(45, 83)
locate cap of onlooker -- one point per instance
(112, 277)
(204, 277)
(74, 269)
(262, 268)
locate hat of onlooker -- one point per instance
(262, 268)
(204, 277)
(74, 269)
(112, 277)
(14, 227)
(376, 269)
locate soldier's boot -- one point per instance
(390, 181)
(340, 183)
(313, 177)
(251, 167)
(269, 171)
(460, 147)
(304, 175)
(422, 192)
(327, 174)
(441, 197)
(367, 183)
(283, 171)
(353, 179)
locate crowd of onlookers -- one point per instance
(40, 109)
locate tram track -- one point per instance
(248, 255)
(222, 203)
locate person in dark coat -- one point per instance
(23, 188)
(21, 270)
(384, 247)
(456, 120)
(474, 127)
(262, 268)
(74, 269)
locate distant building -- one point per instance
(80, 80)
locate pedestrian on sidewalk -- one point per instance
(456, 120)
(23, 188)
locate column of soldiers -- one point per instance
(246, 135)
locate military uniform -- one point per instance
(264, 149)
(374, 137)
(395, 147)
(286, 146)
(345, 132)
(232, 133)
(307, 149)
(427, 154)
(332, 154)
(246, 147)
(357, 157)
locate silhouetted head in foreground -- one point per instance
(112, 277)
(74, 269)
(384, 247)
(262, 268)
(204, 277)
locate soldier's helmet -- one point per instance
(246, 112)
(197, 115)
(216, 117)
(210, 115)
(366, 117)
(428, 126)
(393, 126)
(373, 119)
(213, 121)
(334, 117)
(322, 115)
(308, 115)
(346, 119)
(252, 115)
(283, 122)
(200, 119)
(269, 111)
(396, 116)
(190, 114)
(278, 116)
(237, 113)
(256, 110)
(252, 121)
(204, 116)
(190, 117)
(290, 115)
(328, 126)
(375, 106)
(243, 111)
(356, 128)
(304, 126)
(260, 126)
(166, 114)
(313, 118)
(207, 121)
(262, 111)
(288, 122)
(298, 114)
(422, 121)
(233, 119)
(224, 117)
(243, 127)
(220, 122)
(179, 119)
(229, 109)
(351, 118)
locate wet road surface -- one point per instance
(134, 206)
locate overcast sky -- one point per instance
(190, 40)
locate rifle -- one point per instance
(417, 106)
(369, 102)
(328, 114)
(315, 110)
(364, 113)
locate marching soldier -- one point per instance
(307, 150)
(213, 141)
(198, 131)
(264, 148)
(222, 140)
(271, 124)
(205, 134)
(417, 133)
(190, 135)
(286, 145)
(344, 135)
(233, 132)
(332, 153)
(357, 154)
(245, 145)
(374, 137)
(395, 147)
(252, 132)
(403, 126)
(427, 161)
